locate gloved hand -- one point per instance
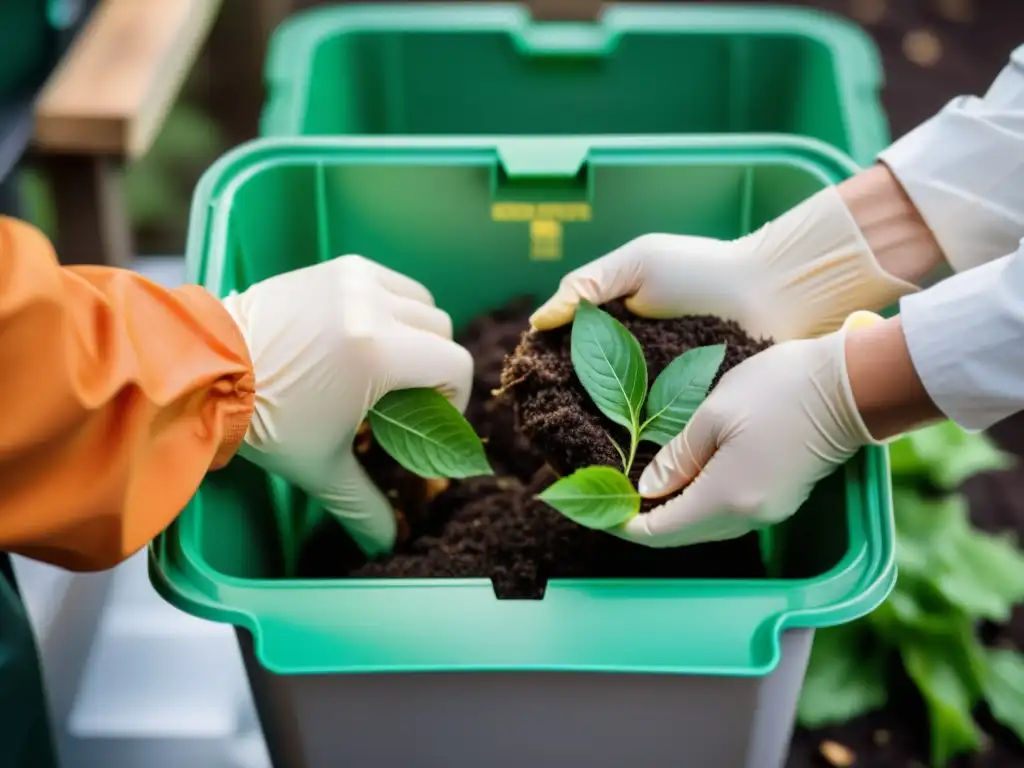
(797, 277)
(326, 343)
(774, 426)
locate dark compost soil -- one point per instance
(494, 527)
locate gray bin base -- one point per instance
(530, 719)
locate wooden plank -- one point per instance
(113, 89)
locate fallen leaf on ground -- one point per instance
(837, 754)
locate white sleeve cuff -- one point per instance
(964, 171)
(966, 340)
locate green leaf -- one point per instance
(677, 392)
(427, 435)
(929, 518)
(845, 676)
(946, 677)
(945, 455)
(975, 454)
(914, 610)
(594, 497)
(916, 613)
(942, 655)
(1003, 688)
(925, 527)
(610, 365)
(904, 462)
(981, 573)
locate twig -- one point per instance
(506, 387)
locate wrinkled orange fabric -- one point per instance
(116, 397)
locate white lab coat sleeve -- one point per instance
(966, 339)
(964, 170)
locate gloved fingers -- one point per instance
(415, 358)
(694, 515)
(425, 317)
(396, 282)
(718, 527)
(612, 276)
(680, 461)
(360, 507)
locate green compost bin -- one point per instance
(481, 68)
(441, 672)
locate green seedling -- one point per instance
(610, 365)
(427, 435)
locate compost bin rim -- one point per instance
(856, 60)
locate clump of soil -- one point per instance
(493, 527)
(556, 413)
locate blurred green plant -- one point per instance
(158, 188)
(38, 202)
(951, 577)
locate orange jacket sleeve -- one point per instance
(116, 397)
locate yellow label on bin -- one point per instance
(545, 240)
(545, 221)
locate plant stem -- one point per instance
(618, 450)
(647, 423)
(634, 442)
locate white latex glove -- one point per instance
(773, 427)
(797, 277)
(326, 343)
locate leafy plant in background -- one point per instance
(610, 365)
(158, 186)
(951, 576)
